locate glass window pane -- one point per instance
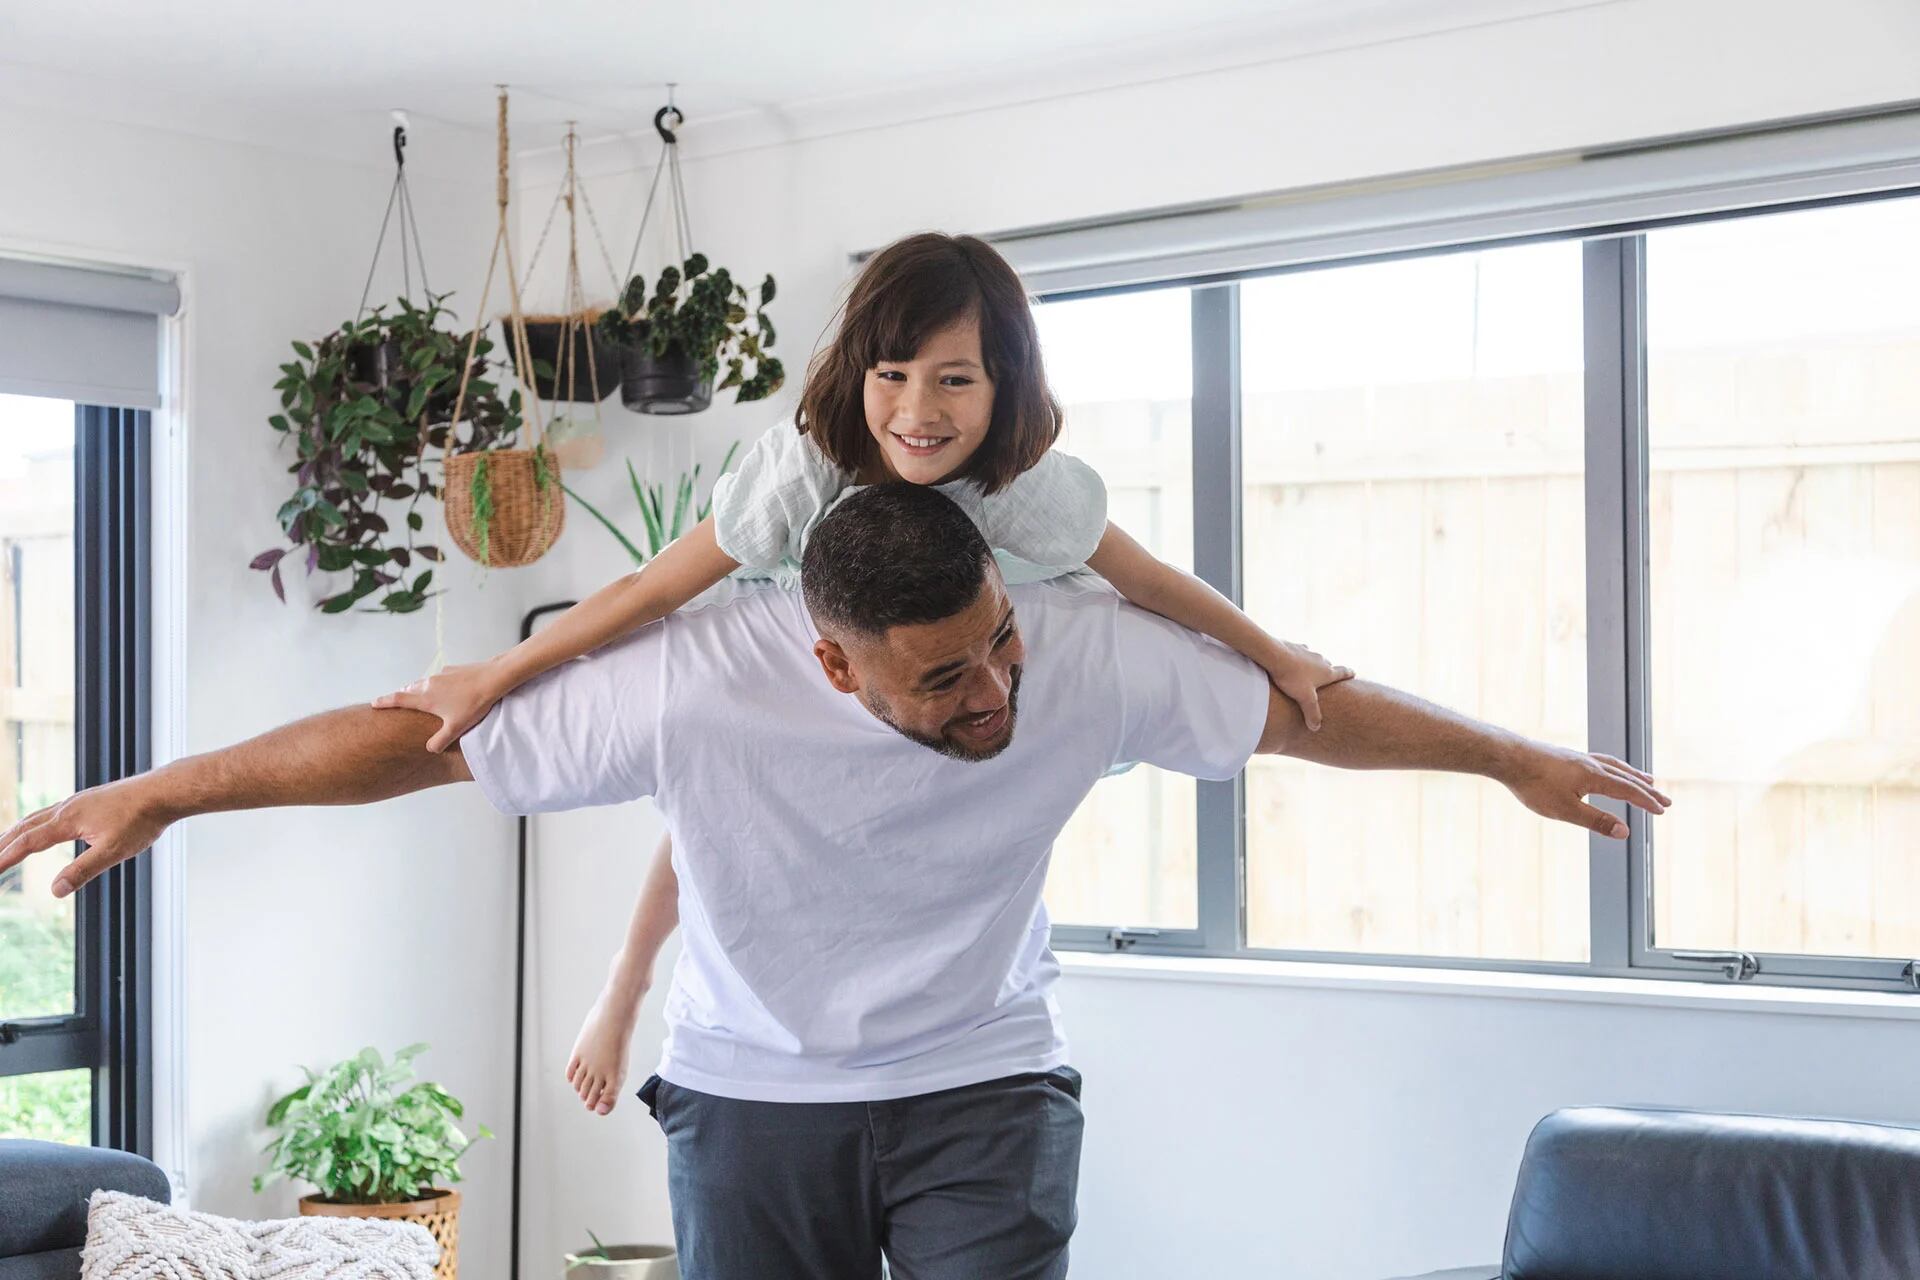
(1413, 445)
(53, 1106)
(1122, 367)
(1784, 521)
(36, 689)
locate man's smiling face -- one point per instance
(952, 685)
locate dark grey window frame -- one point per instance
(110, 1028)
(1614, 294)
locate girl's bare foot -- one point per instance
(598, 1067)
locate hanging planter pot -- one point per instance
(505, 507)
(572, 360)
(576, 443)
(378, 364)
(663, 384)
(698, 331)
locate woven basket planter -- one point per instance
(438, 1211)
(527, 517)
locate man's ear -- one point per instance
(833, 661)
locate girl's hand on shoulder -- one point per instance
(1300, 674)
(460, 696)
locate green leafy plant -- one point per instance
(364, 407)
(705, 315)
(661, 528)
(359, 1137)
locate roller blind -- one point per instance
(79, 334)
(1626, 187)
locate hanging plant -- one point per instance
(677, 339)
(504, 506)
(362, 404)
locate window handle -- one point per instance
(1912, 974)
(1123, 939)
(1739, 966)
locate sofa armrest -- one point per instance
(44, 1188)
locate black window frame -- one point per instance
(110, 1029)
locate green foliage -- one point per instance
(362, 435)
(53, 1106)
(652, 499)
(36, 960)
(704, 314)
(359, 1138)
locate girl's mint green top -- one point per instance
(1045, 524)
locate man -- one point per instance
(864, 1050)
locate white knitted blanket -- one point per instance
(132, 1238)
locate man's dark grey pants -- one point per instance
(963, 1184)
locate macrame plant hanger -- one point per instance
(504, 507)
(561, 348)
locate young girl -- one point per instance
(934, 377)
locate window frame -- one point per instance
(1620, 904)
(110, 1029)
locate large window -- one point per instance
(1653, 494)
(73, 625)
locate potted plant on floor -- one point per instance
(362, 405)
(675, 342)
(623, 1262)
(374, 1146)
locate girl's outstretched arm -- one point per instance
(598, 1067)
(461, 695)
(1147, 581)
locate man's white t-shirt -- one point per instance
(861, 915)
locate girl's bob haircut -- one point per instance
(906, 292)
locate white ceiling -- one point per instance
(243, 67)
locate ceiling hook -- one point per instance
(399, 139)
(667, 134)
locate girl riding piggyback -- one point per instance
(933, 377)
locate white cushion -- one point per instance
(132, 1238)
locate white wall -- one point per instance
(307, 934)
(1308, 1132)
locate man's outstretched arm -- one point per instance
(1369, 726)
(356, 755)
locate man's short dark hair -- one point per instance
(892, 555)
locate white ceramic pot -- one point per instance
(624, 1262)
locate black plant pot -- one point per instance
(668, 384)
(590, 383)
(376, 362)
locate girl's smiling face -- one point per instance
(931, 413)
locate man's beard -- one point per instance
(951, 747)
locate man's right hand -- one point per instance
(117, 820)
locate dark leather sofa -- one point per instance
(1622, 1193)
(44, 1188)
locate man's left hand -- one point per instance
(1555, 783)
